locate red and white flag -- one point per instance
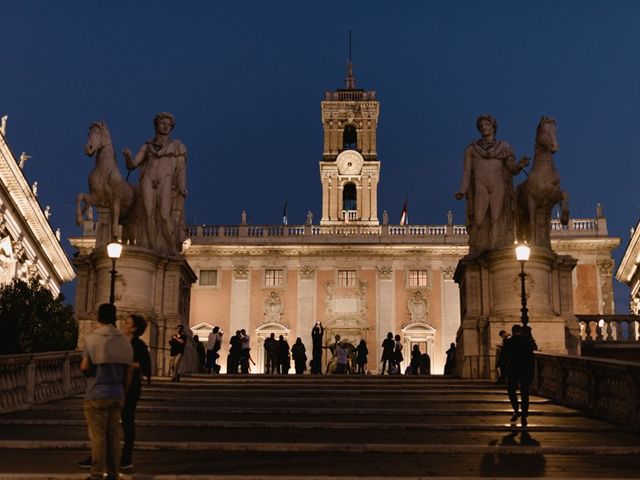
(404, 217)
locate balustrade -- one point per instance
(38, 378)
(609, 329)
(607, 389)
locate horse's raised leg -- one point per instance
(81, 209)
(115, 217)
(564, 216)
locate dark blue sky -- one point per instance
(245, 81)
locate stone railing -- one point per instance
(609, 328)
(37, 378)
(606, 389)
(417, 233)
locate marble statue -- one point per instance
(309, 218)
(449, 218)
(47, 211)
(538, 194)
(163, 185)
(385, 218)
(34, 189)
(23, 159)
(3, 124)
(243, 217)
(489, 165)
(107, 187)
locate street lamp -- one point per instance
(114, 250)
(522, 254)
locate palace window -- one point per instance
(208, 278)
(346, 278)
(273, 278)
(418, 278)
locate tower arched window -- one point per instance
(349, 197)
(349, 138)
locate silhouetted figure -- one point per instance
(361, 357)
(176, 344)
(425, 364)
(284, 362)
(200, 352)
(340, 354)
(387, 352)
(520, 362)
(416, 357)
(214, 343)
(501, 366)
(450, 363)
(271, 353)
(316, 337)
(245, 350)
(233, 360)
(299, 355)
(397, 357)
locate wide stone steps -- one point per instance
(331, 426)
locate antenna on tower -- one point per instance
(350, 81)
(349, 45)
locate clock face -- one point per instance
(349, 163)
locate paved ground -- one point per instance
(261, 427)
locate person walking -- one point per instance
(501, 367)
(271, 353)
(520, 363)
(361, 357)
(177, 344)
(106, 359)
(387, 352)
(299, 355)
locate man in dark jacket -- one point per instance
(520, 363)
(388, 347)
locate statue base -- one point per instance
(154, 286)
(490, 301)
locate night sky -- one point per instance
(245, 81)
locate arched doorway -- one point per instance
(262, 332)
(421, 334)
(349, 138)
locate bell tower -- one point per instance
(349, 169)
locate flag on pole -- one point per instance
(404, 217)
(284, 214)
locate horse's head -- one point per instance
(546, 134)
(97, 138)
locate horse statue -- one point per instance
(536, 196)
(107, 188)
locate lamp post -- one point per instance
(114, 250)
(522, 254)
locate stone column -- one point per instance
(450, 312)
(339, 204)
(306, 305)
(605, 274)
(374, 199)
(366, 198)
(359, 201)
(385, 310)
(240, 299)
(325, 199)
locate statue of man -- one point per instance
(163, 185)
(489, 165)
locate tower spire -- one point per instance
(350, 80)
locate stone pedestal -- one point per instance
(157, 287)
(490, 301)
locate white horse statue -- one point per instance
(536, 196)
(107, 188)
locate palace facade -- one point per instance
(29, 247)
(352, 271)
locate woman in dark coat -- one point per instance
(316, 336)
(299, 354)
(361, 360)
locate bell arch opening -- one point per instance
(349, 138)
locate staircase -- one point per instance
(285, 427)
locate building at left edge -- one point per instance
(30, 248)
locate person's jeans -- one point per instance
(174, 366)
(103, 421)
(128, 423)
(512, 385)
